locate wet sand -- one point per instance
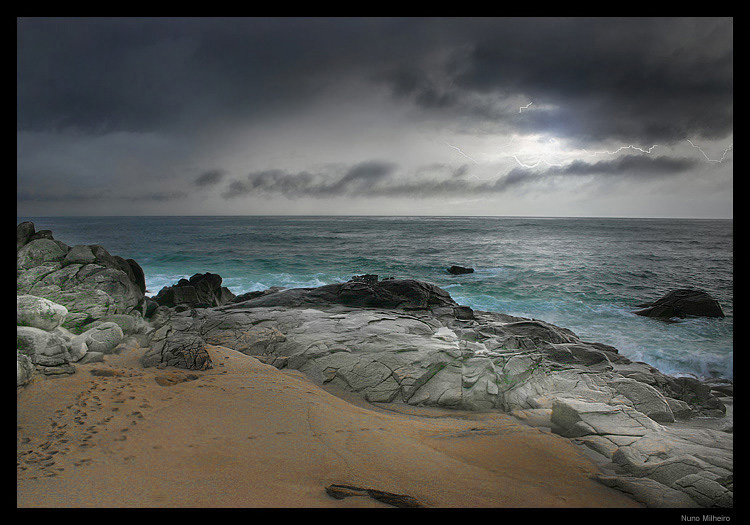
(245, 434)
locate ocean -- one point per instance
(584, 274)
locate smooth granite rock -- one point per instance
(39, 312)
(101, 338)
(42, 347)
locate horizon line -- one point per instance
(402, 215)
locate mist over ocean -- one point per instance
(585, 274)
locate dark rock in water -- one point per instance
(259, 293)
(682, 303)
(397, 500)
(459, 270)
(201, 291)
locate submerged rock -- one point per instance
(682, 303)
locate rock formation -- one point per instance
(405, 341)
(87, 280)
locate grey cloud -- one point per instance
(357, 179)
(209, 178)
(377, 179)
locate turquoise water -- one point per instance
(585, 274)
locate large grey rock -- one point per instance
(579, 418)
(79, 254)
(173, 345)
(42, 347)
(645, 398)
(24, 232)
(132, 323)
(102, 338)
(39, 312)
(37, 252)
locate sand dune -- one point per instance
(245, 434)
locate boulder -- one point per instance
(129, 323)
(173, 344)
(42, 347)
(37, 252)
(24, 231)
(39, 312)
(79, 254)
(645, 398)
(103, 338)
(682, 303)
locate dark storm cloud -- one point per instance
(210, 178)
(641, 80)
(625, 79)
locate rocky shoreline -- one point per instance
(665, 441)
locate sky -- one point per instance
(545, 117)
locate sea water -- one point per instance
(584, 274)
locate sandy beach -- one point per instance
(246, 434)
